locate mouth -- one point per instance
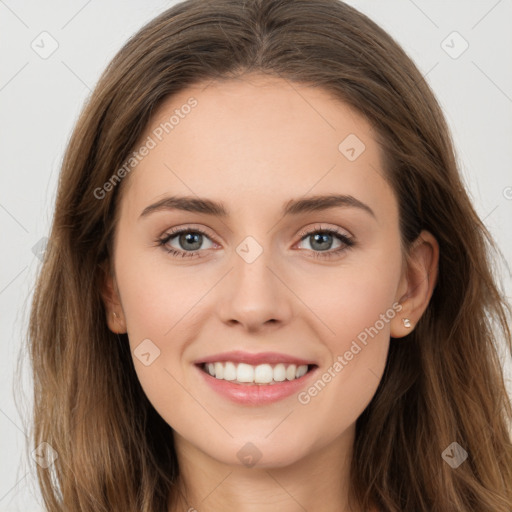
(238, 383)
(256, 378)
(265, 374)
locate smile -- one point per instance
(247, 392)
(242, 373)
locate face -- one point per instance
(315, 284)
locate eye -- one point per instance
(189, 242)
(321, 240)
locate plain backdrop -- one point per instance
(41, 96)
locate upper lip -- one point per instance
(239, 356)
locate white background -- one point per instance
(40, 100)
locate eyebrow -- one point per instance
(292, 207)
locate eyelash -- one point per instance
(348, 242)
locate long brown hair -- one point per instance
(443, 382)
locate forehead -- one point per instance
(254, 138)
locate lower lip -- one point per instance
(256, 394)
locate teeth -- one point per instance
(291, 372)
(229, 371)
(263, 374)
(244, 373)
(260, 374)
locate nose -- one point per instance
(255, 295)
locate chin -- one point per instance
(256, 453)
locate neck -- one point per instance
(318, 481)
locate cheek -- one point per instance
(359, 310)
(351, 298)
(356, 306)
(159, 304)
(156, 296)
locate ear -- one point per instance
(417, 283)
(110, 295)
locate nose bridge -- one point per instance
(252, 273)
(256, 295)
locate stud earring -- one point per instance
(406, 322)
(115, 315)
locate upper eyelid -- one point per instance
(172, 232)
(317, 227)
(303, 233)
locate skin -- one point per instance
(255, 143)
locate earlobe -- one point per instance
(419, 279)
(110, 295)
(117, 323)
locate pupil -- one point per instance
(322, 240)
(189, 238)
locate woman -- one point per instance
(327, 342)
